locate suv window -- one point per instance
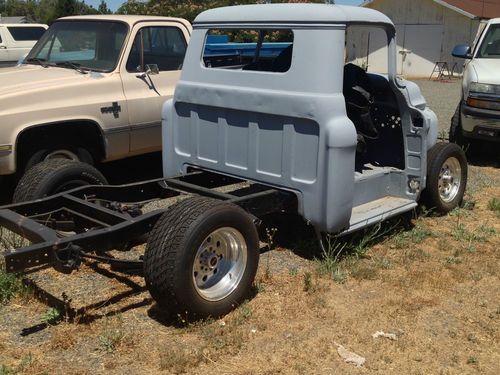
(249, 49)
(21, 33)
(490, 48)
(164, 46)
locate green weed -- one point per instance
(6, 370)
(11, 284)
(494, 205)
(110, 340)
(414, 236)
(308, 282)
(462, 234)
(51, 316)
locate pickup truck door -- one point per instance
(154, 43)
(4, 52)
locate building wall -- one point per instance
(457, 28)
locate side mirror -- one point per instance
(151, 70)
(462, 51)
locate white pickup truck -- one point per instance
(16, 40)
(90, 90)
(477, 117)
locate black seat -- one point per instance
(359, 98)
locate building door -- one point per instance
(421, 48)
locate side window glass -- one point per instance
(160, 45)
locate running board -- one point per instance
(378, 210)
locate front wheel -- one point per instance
(55, 176)
(446, 177)
(456, 134)
(201, 257)
(59, 152)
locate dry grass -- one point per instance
(435, 286)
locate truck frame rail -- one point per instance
(87, 222)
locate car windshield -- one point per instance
(490, 47)
(81, 45)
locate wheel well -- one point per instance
(85, 134)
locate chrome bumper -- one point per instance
(480, 123)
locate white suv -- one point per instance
(478, 113)
(16, 41)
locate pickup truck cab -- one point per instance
(16, 41)
(478, 114)
(354, 147)
(91, 90)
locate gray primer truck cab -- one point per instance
(266, 108)
(292, 129)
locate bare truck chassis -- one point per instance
(115, 224)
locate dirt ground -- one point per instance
(433, 286)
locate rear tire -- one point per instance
(201, 257)
(55, 176)
(446, 177)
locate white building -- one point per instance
(427, 31)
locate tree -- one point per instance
(103, 8)
(66, 8)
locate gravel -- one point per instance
(443, 98)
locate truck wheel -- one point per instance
(61, 152)
(446, 177)
(456, 135)
(201, 257)
(55, 176)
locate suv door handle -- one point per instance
(3, 47)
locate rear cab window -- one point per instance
(248, 49)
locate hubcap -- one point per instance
(449, 179)
(219, 264)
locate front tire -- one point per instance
(446, 177)
(201, 257)
(59, 152)
(456, 134)
(55, 176)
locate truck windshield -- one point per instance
(490, 47)
(82, 45)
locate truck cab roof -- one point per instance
(292, 13)
(131, 20)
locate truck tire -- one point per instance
(456, 134)
(201, 257)
(446, 177)
(59, 152)
(54, 176)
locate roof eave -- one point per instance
(456, 9)
(440, 2)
